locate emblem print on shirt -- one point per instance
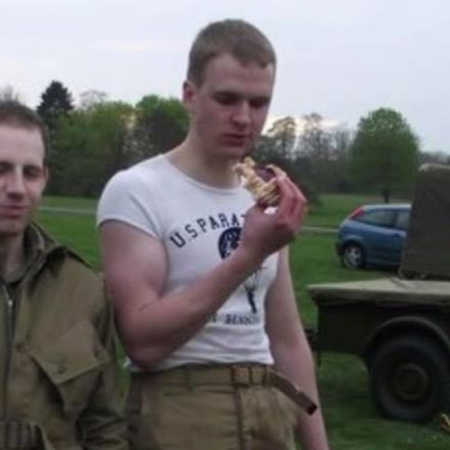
(228, 241)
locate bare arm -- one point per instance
(152, 324)
(292, 353)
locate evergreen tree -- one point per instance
(56, 101)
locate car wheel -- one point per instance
(410, 378)
(353, 256)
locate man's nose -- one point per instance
(15, 183)
(242, 114)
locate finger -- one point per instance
(294, 206)
(289, 191)
(297, 190)
(289, 213)
(286, 197)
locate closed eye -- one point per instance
(32, 172)
(259, 102)
(226, 98)
(5, 167)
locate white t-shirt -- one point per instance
(199, 226)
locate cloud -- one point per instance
(341, 59)
(137, 46)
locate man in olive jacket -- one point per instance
(58, 376)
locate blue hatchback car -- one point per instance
(373, 235)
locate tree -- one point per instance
(92, 97)
(56, 101)
(89, 146)
(341, 142)
(277, 147)
(315, 151)
(160, 124)
(283, 134)
(315, 139)
(385, 152)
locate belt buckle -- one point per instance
(240, 375)
(259, 375)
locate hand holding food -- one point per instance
(260, 181)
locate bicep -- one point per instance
(134, 264)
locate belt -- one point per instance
(235, 375)
(15, 434)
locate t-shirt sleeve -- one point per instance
(127, 199)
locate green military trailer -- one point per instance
(400, 326)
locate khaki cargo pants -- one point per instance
(209, 408)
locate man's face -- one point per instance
(229, 108)
(23, 177)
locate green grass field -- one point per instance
(352, 420)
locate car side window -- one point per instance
(381, 217)
(402, 220)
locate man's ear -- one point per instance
(189, 91)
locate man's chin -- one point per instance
(241, 151)
(248, 149)
(11, 229)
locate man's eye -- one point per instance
(226, 99)
(259, 102)
(4, 167)
(32, 172)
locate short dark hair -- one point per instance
(239, 38)
(16, 114)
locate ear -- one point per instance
(189, 91)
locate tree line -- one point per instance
(91, 142)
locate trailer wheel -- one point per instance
(410, 378)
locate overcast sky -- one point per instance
(339, 58)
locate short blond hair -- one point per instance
(239, 38)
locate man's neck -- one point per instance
(12, 254)
(198, 164)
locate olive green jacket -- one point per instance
(58, 365)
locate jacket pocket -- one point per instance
(72, 363)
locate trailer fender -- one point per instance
(400, 325)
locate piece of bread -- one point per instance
(260, 181)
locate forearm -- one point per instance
(292, 354)
(297, 364)
(158, 325)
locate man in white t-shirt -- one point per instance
(200, 275)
